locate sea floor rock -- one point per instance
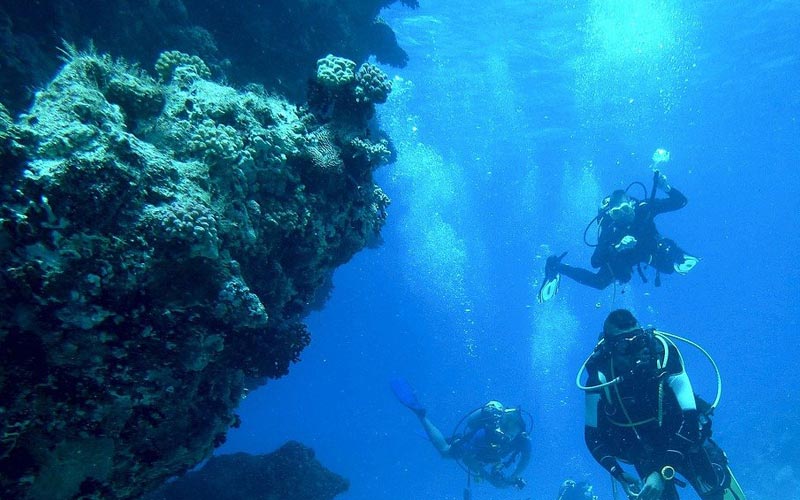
(291, 472)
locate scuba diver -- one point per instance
(490, 443)
(571, 490)
(627, 238)
(641, 410)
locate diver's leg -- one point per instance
(435, 435)
(599, 280)
(671, 258)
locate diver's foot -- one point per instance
(552, 266)
(686, 265)
(552, 278)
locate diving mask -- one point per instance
(493, 410)
(624, 210)
(629, 343)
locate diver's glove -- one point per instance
(662, 184)
(517, 482)
(498, 479)
(630, 484)
(653, 487)
(627, 242)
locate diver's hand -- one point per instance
(630, 484)
(517, 482)
(662, 183)
(497, 479)
(626, 243)
(653, 487)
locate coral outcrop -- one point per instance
(289, 472)
(160, 244)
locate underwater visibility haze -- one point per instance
(229, 237)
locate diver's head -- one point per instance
(630, 345)
(619, 206)
(493, 409)
(571, 490)
(619, 322)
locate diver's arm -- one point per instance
(597, 445)
(602, 453)
(524, 457)
(594, 439)
(682, 388)
(476, 467)
(476, 419)
(523, 446)
(675, 201)
(688, 435)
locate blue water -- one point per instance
(512, 120)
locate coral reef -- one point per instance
(289, 472)
(274, 43)
(335, 72)
(161, 242)
(169, 61)
(373, 84)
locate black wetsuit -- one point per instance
(665, 434)
(651, 248)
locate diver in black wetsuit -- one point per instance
(641, 410)
(627, 238)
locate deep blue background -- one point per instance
(512, 120)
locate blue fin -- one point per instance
(406, 395)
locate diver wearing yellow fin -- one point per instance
(641, 410)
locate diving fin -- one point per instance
(733, 491)
(552, 278)
(407, 395)
(686, 265)
(549, 289)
